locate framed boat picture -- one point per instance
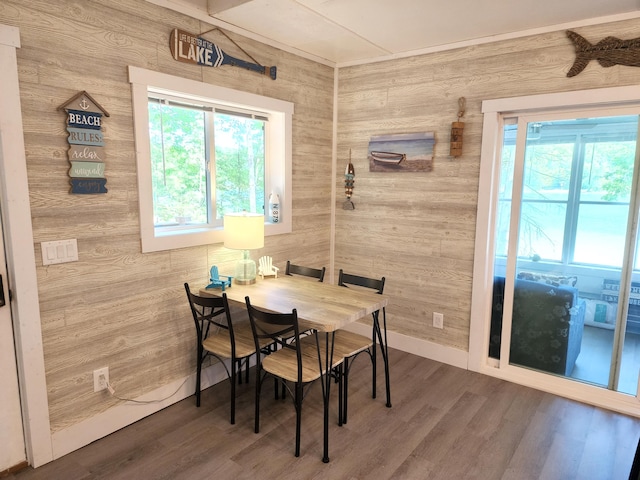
(403, 152)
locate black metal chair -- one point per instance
(219, 337)
(305, 271)
(293, 270)
(349, 345)
(293, 363)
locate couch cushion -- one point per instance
(549, 278)
(547, 325)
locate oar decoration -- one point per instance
(189, 48)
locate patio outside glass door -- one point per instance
(566, 282)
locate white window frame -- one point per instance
(278, 167)
(572, 202)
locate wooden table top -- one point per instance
(321, 306)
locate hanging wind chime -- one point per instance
(455, 147)
(349, 174)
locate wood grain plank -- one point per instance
(140, 336)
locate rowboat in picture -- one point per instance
(388, 158)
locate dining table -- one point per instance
(321, 307)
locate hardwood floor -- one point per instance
(445, 423)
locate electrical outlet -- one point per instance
(438, 320)
(100, 379)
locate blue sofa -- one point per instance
(547, 325)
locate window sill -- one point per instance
(159, 240)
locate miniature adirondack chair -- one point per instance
(217, 280)
(266, 268)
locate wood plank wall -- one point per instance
(417, 229)
(118, 307)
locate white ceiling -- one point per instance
(344, 32)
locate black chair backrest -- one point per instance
(208, 311)
(281, 328)
(306, 271)
(346, 279)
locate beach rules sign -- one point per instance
(86, 144)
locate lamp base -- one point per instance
(245, 271)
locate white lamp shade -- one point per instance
(243, 231)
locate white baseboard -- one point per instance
(416, 346)
(83, 433)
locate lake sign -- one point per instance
(189, 48)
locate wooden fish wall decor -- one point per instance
(608, 52)
(189, 48)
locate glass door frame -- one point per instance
(606, 101)
(523, 122)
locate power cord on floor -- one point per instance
(112, 391)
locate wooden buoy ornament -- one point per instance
(455, 145)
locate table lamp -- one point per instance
(244, 231)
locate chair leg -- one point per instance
(377, 337)
(233, 391)
(198, 375)
(340, 379)
(345, 390)
(373, 365)
(298, 402)
(384, 349)
(256, 427)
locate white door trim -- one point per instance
(21, 261)
(479, 360)
(13, 451)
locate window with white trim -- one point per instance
(204, 151)
(576, 187)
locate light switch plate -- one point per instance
(438, 320)
(59, 251)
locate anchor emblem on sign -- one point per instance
(83, 104)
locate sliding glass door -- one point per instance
(566, 289)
